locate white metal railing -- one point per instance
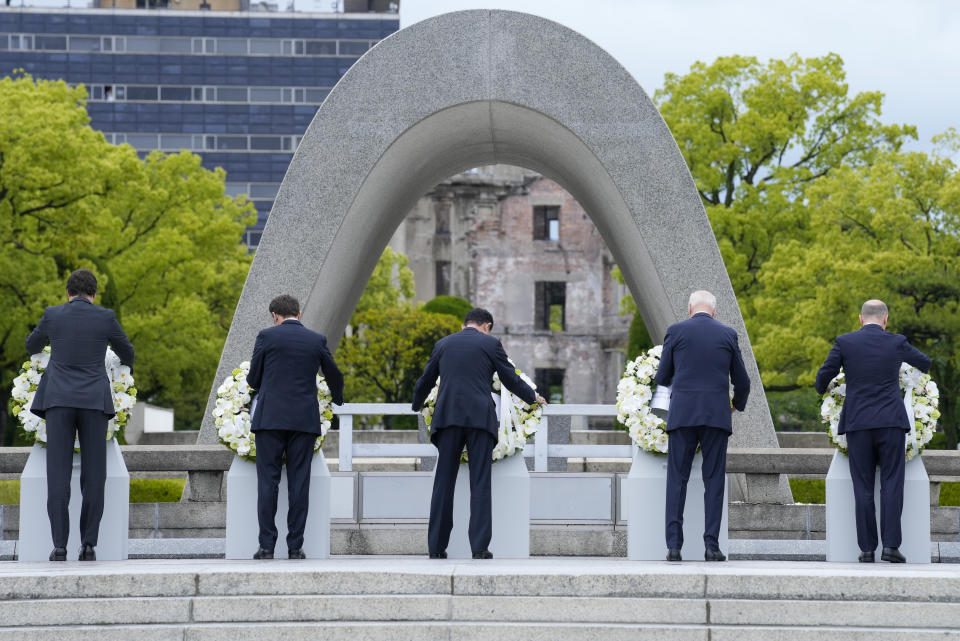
(541, 450)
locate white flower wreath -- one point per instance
(232, 418)
(512, 434)
(925, 399)
(634, 393)
(26, 383)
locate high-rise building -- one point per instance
(237, 88)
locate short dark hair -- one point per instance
(478, 316)
(285, 306)
(82, 282)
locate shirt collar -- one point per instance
(292, 321)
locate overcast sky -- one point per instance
(908, 49)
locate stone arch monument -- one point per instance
(474, 88)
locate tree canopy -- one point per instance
(816, 208)
(160, 233)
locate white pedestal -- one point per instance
(36, 541)
(243, 528)
(842, 544)
(510, 498)
(645, 496)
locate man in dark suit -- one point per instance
(75, 398)
(286, 421)
(465, 414)
(700, 357)
(875, 421)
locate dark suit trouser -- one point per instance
(681, 449)
(64, 424)
(865, 450)
(272, 445)
(450, 442)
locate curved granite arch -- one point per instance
(473, 88)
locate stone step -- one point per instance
(468, 632)
(550, 598)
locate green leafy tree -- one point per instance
(890, 230)
(757, 136)
(638, 338)
(760, 139)
(390, 285)
(387, 352)
(161, 235)
(451, 305)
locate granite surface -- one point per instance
(472, 88)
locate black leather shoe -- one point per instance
(673, 554)
(714, 555)
(58, 554)
(485, 554)
(296, 554)
(866, 557)
(892, 555)
(438, 555)
(262, 554)
(87, 553)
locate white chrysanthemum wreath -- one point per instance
(925, 399)
(513, 434)
(634, 393)
(232, 413)
(26, 383)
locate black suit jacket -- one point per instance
(78, 333)
(283, 371)
(465, 363)
(701, 356)
(871, 358)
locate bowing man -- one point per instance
(75, 398)
(465, 414)
(286, 421)
(875, 421)
(700, 358)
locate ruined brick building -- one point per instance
(518, 244)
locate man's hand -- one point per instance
(541, 400)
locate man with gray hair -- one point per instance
(875, 422)
(700, 357)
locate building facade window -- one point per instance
(550, 384)
(550, 300)
(443, 278)
(546, 223)
(441, 212)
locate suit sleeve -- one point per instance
(255, 375)
(39, 337)
(509, 376)
(331, 372)
(829, 369)
(426, 382)
(913, 356)
(120, 343)
(739, 377)
(664, 375)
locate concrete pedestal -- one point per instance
(644, 506)
(243, 529)
(510, 496)
(842, 544)
(36, 541)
